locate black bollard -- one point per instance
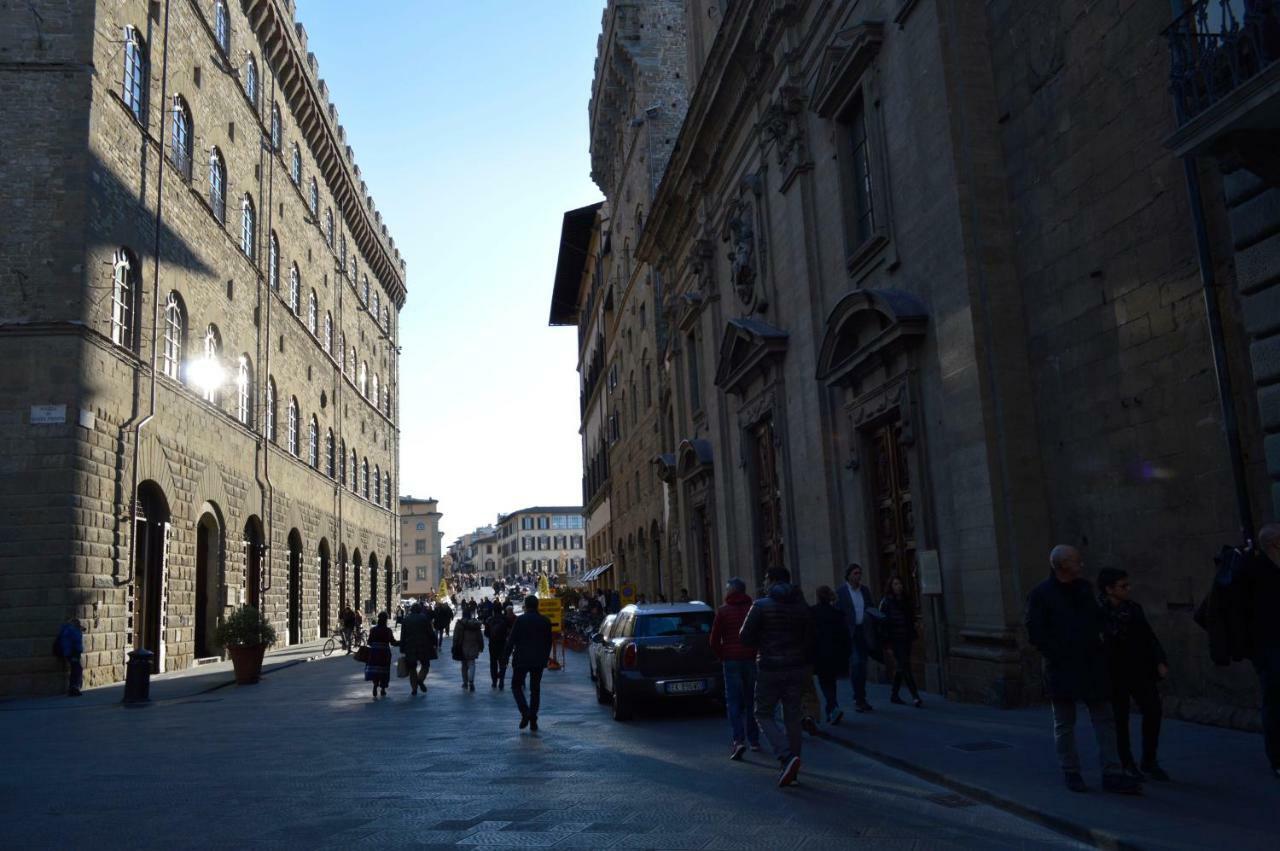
(137, 678)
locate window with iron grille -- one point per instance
(314, 197)
(328, 333)
(328, 454)
(217, 186)
(135, 73)
(212, 355)
(313, 311)
(292, 428)
(271, 411)
(222, 26)
(273, 262)
(295, 290)
(275, 127)
(295, 166)
(341, 462)
(251, 82)
(313, 443)
(244, 391)
(248, 229)
(124, 295)
(175, 329)
(180, 138)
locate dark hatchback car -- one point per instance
(657, 652)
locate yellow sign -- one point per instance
(553, 610)
(627, 593)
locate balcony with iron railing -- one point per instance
(1224, 73)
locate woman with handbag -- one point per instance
(377, 667)
(899, 627)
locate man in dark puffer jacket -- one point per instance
(780, 628)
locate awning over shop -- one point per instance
(596, 572)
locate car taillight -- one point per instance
(629, 656)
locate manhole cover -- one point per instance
(985, 745)
(953, 801)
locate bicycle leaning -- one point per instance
(358, 639)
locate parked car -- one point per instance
(657, 652)
(594, 645)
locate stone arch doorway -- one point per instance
(342, 577)
(210, 577)
(295, 586)
(149, 591)
(371, 604)
(324, 587)
(357, 566)
(254, 546)
(387, 578)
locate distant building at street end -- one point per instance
(542, 540)
(476, 552)
(420, 556)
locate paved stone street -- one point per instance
(306, 758)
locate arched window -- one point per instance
(295, 290)
(291, 426)
(244, 391)
(271, 410)
(313, 443)
(295, 167)
(352, 365)
(175, 331)
(251, 81)
(314, 197)
(217, 186)
(276, 131)
(364, 379)
(364, 291)
(376, 306)
(353, 270)
(180, 139)
(212, 356)
(377, 400)
(342, 462)
(342, 353)
(386, 319)
(313, 311)
(273, 262)
(222, 26)
(355, 472)
(342, 251)
(124, 298)
(377, 484)
(386, 487)
(328, 333)
(248, 229)
(364, 477)
(135, 74)
(328, 226)
(328, 454)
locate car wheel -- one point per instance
(602, 696)
(621, 706)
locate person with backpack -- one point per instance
(69, 646)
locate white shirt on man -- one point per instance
(859, 603)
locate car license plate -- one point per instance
(681, 688)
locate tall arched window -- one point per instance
(386, 319)
(342, 251)
(364, 379)
(124, 298)
(271, 410)
(364, 291)
(295, 290)
(328, 226)
(342, 353)
(295, 166)
(244, 391)
(251, 81)
(327, 339)
(135, 74)
(355, 472)
(313, 443)
(377, 484)
(217, 186)
(386, 487)
(212, 357)
(276, 130)
(377, 308)
(291, 426)
(328, 454)
(377, 399)
(222, 26)
(314, 197)
(273, 262)
(364, 477)
(180, 138)
(341, 464)
(313, 311)
(175, 331)
(248, 229)
(353, 270)
(352, 365)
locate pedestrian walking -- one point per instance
(1260, 604)
(854, 601)
(418, 644)
(348, 618)
(468, 644)
(739, 664)
(528, 649)
(831, 650)
(377, 669)
(780, 628)
(900, 630)
(496, 629)
(442, 619)
(69, 647)
(1065, 623)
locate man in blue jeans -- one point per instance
(854, 602)
(739, 667)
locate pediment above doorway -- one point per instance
(748, 348)
(866, 328)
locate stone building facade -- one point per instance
(542, 540)
(420, 547)
(199, 312)
(930, 301)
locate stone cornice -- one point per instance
(283, 44)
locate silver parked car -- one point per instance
(594, 645)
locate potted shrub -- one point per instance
(246, 634)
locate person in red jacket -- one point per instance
(739, 663)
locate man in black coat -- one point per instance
(496, 629)
(1065, 623)
(418, 644)
(854, 602)
(528, 649)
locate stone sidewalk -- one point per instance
(1222, 794)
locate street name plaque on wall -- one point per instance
(48, 414)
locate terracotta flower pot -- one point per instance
(247, 661)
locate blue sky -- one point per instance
(469, 122)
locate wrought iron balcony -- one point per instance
(1218, 46)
